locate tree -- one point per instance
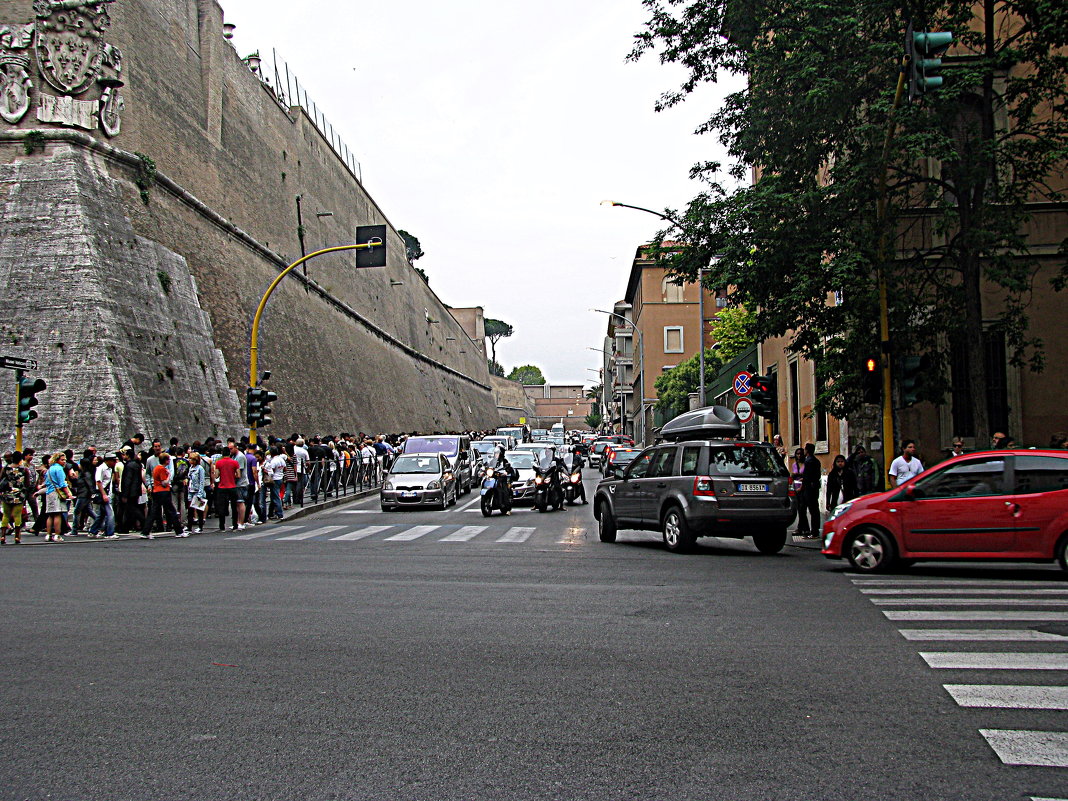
(813, 121)
(495, 368)
(673, 388)
(527, 374)
(497, 330)
(594, 420)
(594, 393)
(412, 249)
(732, 330)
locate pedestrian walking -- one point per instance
(131, 487)
(225, 471)
(809, 501)
(906, 466)
(57, 494)
(198, 494)
(13, 495)
(162, 504)
(104, 524)
(841, 483)
(276, 469)
(797, 471)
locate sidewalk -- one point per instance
(295, 513)
(797, 541)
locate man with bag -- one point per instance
(105, 514)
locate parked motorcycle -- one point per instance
(496, 491)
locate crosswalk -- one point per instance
(514, 535)
(1015, 629)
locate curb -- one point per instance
(295, 513)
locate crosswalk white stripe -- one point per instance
(413, 533)
(969, 601)
(974, 660)
(262, 533)
(976, 614)
(1009, 696)
(307, 535)
(1041, 748)
(903, 582)
(963, 591)
(360, 533)
(516, 534)
(990, 635)
(464, 534)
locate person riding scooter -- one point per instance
(573, 464)
(504, 488)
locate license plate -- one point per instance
(752, 488)
(408, 494)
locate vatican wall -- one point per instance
(177, 160)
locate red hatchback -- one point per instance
(1010, 505)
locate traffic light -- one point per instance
(924, 51)
(765, 397)
(915, 374)
(872, 381)
(258, 406)
(373, 256)
(27, 396)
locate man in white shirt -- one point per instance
(906, 466)
(105, 514)
(302, 457)
(277, 466)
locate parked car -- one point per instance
(699, 484)
(1006, 505)
(419, 479)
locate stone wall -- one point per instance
(371, 349)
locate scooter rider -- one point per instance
(504, 488)
(576, 465)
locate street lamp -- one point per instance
(641, 359)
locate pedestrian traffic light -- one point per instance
(924, 51)
(374, 235)
(765, 397)
(915, 373)
(872, 381)
(27, 396)
(258, 406)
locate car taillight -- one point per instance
(702, 487)
(792, 492)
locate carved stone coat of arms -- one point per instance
(69, 42)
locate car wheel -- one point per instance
(387, 508)
(487, 506)
(1061, 551)
(871, 551)
(769, 542)
(606, 524)
(677, 535)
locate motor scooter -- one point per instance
(547, 489)
(496, 491)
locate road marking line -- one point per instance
(1009, 696)
(972, 660)
(413, 533)
(360, 533)
(263, 533)
(516, 534)
(476, 500)
(464, 534)
(949, 582)
(993, 614)
(307, 535)
(963, 591)
(965, 635)
(969, 601)
(1042, 748)
(1043, 798)
(359, 512)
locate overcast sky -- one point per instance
(492, 132)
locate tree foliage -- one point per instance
(732, 330)
(673, 388)
(813, 120)
(594, 419)
(496, 330)
(412, 249)
(527, 374)
(495, 367)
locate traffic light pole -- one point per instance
(18, 409)
(263, 304)
(884, 311)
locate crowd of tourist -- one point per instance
(146, 488)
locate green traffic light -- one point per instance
(932, 42)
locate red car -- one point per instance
(1010, 505)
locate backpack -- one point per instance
(181, 473)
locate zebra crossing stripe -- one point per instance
(464, 534)
(975, 635)
(413, 533)
(970, 601)
(963, 591)
(972, 660)
(360, 533)
(517, 534)
(975, 615)
(1038, 748)
(1009, 696)
(255, 535)
(315, 532)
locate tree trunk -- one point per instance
(972, 274)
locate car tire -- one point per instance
(487, 506)
(387, 508)
(1061, 551)
(870, 550)
(677, 535)
(771, 541)
(606, 524)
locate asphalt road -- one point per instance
(420, 658)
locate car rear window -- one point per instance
(745, 461)
(447, 445)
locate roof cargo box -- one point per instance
(711, 422)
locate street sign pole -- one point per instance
(18, 404)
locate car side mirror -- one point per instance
(912, 492)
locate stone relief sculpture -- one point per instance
(15, 83)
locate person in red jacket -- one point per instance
(162, 506)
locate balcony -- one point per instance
(624, 331)
(623, 359)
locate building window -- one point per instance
(672, 291)
(673, 339)
(721, 298)
(795, 406)
(818, 415)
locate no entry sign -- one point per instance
(744, 409)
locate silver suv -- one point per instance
(700, 486)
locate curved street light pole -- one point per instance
(641, 360)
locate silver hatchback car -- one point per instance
(419, 479)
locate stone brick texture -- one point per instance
(213, 128)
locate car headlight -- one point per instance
(840, 510)
(388, 486)
(827, 539)
(434, 485)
